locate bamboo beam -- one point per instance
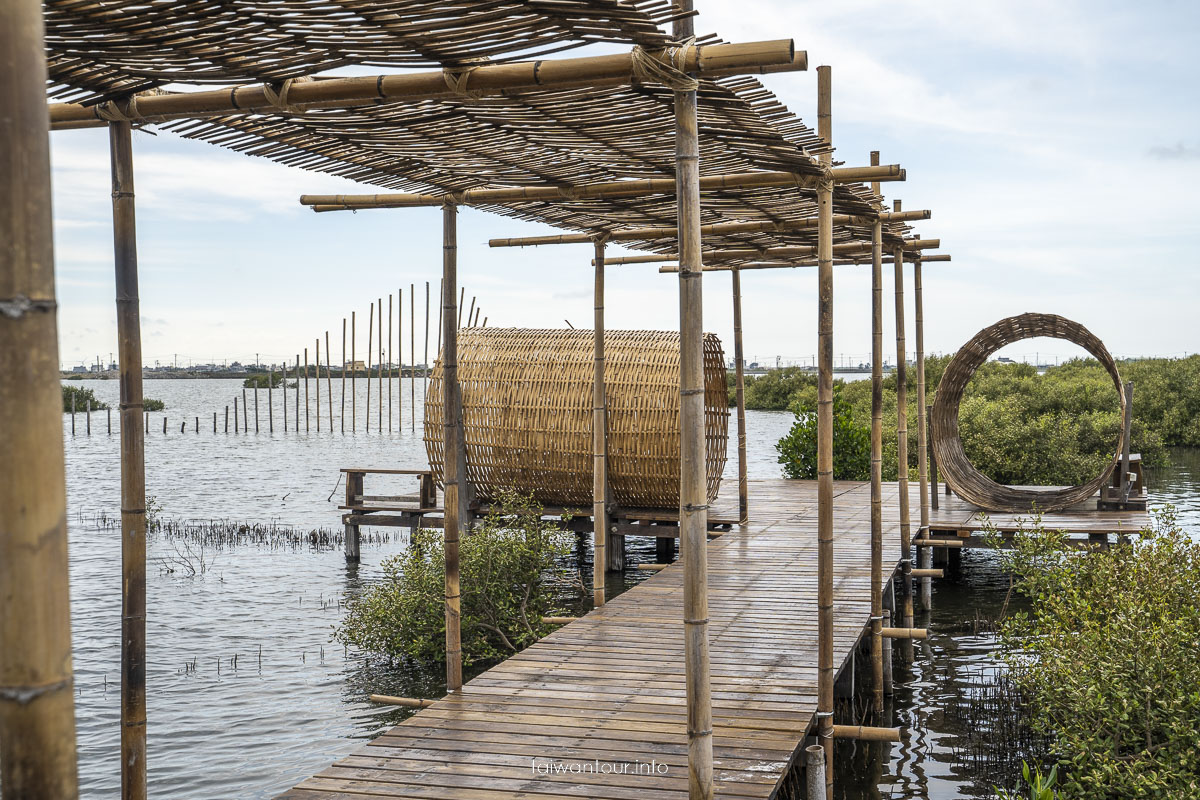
(37, 713)
(877, 459)
(599, 438)
(866, 733)
(409, 702)
(452, 411)
(693, 489)
(652, 567)
(928, 573)
(906, 609)
(798, 263)
(714, 229)
(825, 666)
(925, 556)
(740, 387)
(923, 542)
(594, 191)
(905, 633)
(133, 470)
(790, 255)
(480, 81)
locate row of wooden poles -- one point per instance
(37, 729)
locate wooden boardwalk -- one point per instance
(597, 708)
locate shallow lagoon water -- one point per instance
(247, 694)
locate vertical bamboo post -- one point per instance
(924, 554)
(87, 417)
(164, 424)
(370, 347)
(740, 386)
(814, 771)
(471, 311)
(328, 381)
(317, 352)
(906, 594)
(342, 412)
(441, 305)
(400, 372)
(693, 490)
(283, 388)
(462, 296)
(353, 376)
(108, 418)
(425, 362)
(451, 413)
(599, 439)
(214, 422)
(297, 392)
(235, 413)
(133, 470)
(37, 712)
(306, 418)
(877, 454)
(379, 370)
(72, 414)
(256, 405)
(825, 667)
(227, 415)
(412, 357)
(391, 373)
(271, 399)
(475, 320)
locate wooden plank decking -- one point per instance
(596, 709)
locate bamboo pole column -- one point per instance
(133, 471)
(306, 417)
(370, 348)
(391, 372)
(328, 381)
(825, 666)
(740, 385)
(451, 413)
(412, 358)
(599, 438)
(342, 413)
(283, 388)
(924, 554)
(37, 712)
(317, 345)
(425, 363)
(877, 456)
(906, 594)
(379, 371)
(353, 379)
(298, 393)
(271, 399)
(693, 491)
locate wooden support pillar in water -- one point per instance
(283, 388)
(328, 381)
(306, 419)
(87, 417)
(451, 414)
(297, 392)
(342, 410)
(256, 406)
(425, 362)
(370, 348)
(108, 418)
(235, 414)
(906, 593)
(214, 422)
(37, 712)
(825, 666)
(412, 358)
(693, 490)
(740, 387)
(72, 414)
(317, 352)
(353, 377)
(391, 313)
(245, 413)
(379, 371)
(271, 400)
(877, 644)
(924, 554)
(354, 492)
(133, 471)
(600, 537)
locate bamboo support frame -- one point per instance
(877, 459)
(795, 255)
(599, 438)
(924, 556)
(454, 469)
(133, 470)
(716, 228)
(642, 187)
(485, 80)
(825, 667)
(693, 491)
(37, 713)
(740, 388)
(906, 592)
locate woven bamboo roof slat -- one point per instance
(527, 414)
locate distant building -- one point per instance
(355, 366)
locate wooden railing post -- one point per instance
(925, 554)
(906, 592)
(740, 388)
(37, 712)
(454, 465)
(877, 456)
(600, 534)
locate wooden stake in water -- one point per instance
(328, 381)
(353, 377)
(370, 347)
(391, 315)
(214, 422)
(235, 414)
(342, 413)
(227, 415)
(108, 414)
(256, 404)
(471, 311)
(412, 355)
(306, 428)
(379, 369)
(400, 350)
(318, 396)
(87, 416)
(425, 363)
(298, 393)
(72, 414)
(283, 388)
(271, 399)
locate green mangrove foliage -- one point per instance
(151, 404)
(510, 576)
(1109, 656)
(851, 444)
(1020, 427)
(264, 380)
(81, 396)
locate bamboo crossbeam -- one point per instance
(713, 229)
(904, 633)
(937, 543)
(928, 573)
(408, 702)
(649, 567)
(558, 620)
(795, 255)
(479, 81)
(866, 733)
(594, 191)
(844, 261)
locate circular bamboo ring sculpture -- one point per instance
(527, 414)
(960, 475)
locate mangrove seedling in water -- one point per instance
(511, 571)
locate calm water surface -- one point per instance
(247, 694)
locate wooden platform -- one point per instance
(956, 516)
(606, 692)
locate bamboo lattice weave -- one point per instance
(527, 414)
(968, 482)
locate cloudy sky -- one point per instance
(1058, 145)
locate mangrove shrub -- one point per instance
(1110, 656)
(509, 575)
(81, 397)
(851, 444)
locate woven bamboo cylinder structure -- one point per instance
(527, 414)
(952, 461)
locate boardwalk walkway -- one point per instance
(597, 708)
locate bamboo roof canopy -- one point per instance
(565, 137)
(527, 414)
